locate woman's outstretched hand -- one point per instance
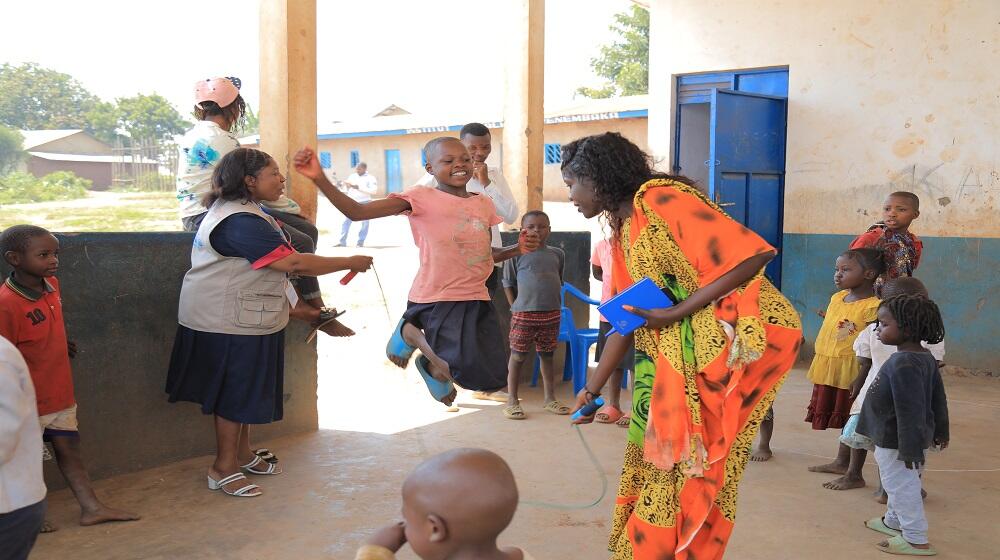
(582, 401)
(360, 263)
(656, 318)
(307, 163)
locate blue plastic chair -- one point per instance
(578, 342)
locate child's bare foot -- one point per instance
(882, 498)
(832, 468)
(846, 482)
(398, 361)
(47, 527)
(337, 329)
(440, 370)
(761, 453)
(105, 514)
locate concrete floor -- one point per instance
(377, 423)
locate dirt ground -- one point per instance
(377, 422)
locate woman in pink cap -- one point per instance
(220, 110)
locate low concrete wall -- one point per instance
(120, 294)
(576, 245)
(960, 274)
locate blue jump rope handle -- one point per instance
(589, 409)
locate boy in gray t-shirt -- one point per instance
(533, 284)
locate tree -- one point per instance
(102, 122)
(149, 116)
(11, 149)
(625, 62)
(252, 125)
(35, 98)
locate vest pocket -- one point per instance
(259, 310)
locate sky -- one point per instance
(371, 53)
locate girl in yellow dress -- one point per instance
(835, 365)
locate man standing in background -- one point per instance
(360, 186)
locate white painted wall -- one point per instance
(883, 96)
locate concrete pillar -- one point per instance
(524, 111)
(288, 89)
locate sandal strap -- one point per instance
(265, 454)
(253, 462)
(244, 490)
(231, 478)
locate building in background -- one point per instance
(392, 142)
(87, 157)
(800, 117)
(68, 150)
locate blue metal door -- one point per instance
(747, 163)
(393, 175)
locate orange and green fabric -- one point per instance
(702, 386)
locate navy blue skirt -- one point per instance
(237, 377)
(466, 334)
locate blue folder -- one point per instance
(644, 294)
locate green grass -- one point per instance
(108, 212)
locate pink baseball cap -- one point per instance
(223, 91)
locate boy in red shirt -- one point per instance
(900, 248)
(31, 318)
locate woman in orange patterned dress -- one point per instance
(707, 368)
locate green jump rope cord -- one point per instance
(600, 473)
(583, 441)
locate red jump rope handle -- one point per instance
(348, 277)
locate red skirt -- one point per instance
(829, 407)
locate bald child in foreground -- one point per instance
(455, 505)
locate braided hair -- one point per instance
(616, 166)
(869, 258)
(918, 317)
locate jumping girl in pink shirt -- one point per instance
(449, 315)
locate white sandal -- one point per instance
(248, 491)
(272, 468)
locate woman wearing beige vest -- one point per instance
(229, 351)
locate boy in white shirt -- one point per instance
(871, 355)
(361, 185)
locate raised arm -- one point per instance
(503, 199)
(308, 165)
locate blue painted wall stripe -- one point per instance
(961, 275)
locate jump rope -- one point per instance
(592, 457)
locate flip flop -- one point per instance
(624, 422)
(438, 389)
(397, 347)
(556, 407)
(514, 412)
(608, 415)
(495, 396)
(878, 525)
(898, 545)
